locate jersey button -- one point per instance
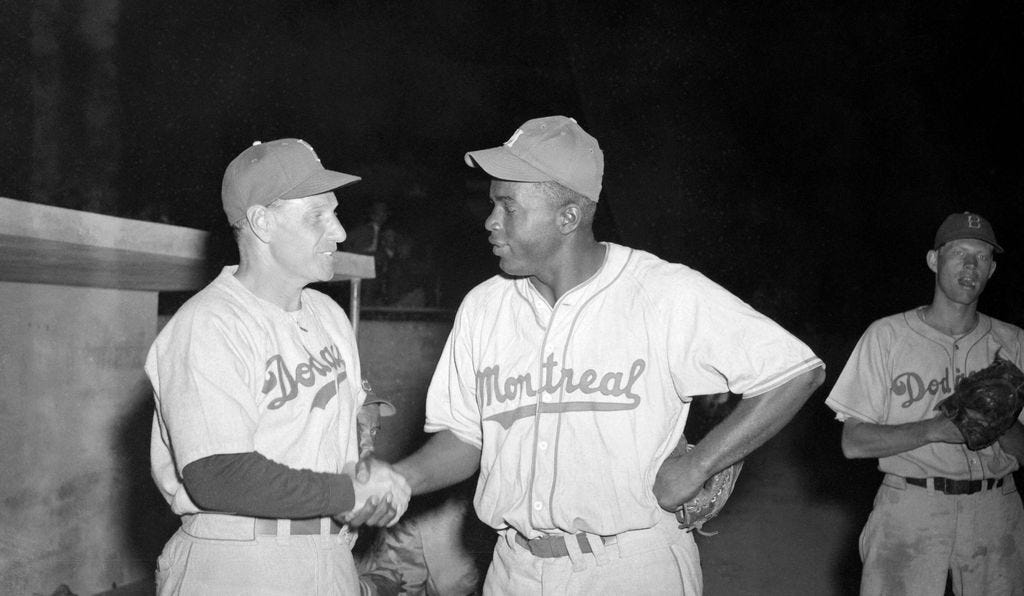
(543, 444)
(538, 505)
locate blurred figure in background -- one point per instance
(368, 238)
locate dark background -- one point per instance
(800, 153)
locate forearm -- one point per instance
(870, 440)
(753, 422)
(1012, 442)
(251, 484)
(443, 461)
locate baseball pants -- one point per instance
(659, 560)
(915, 535)
(214, 554)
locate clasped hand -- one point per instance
(381, 494)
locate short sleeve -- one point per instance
(204, 390)
(861, 389)
(719, 343)
(452, 395)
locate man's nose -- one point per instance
(491, 223)
(337, 232)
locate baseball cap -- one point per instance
(281, 169)
(552, 148)
(386, 407)
(966, 225)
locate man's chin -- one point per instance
(325, 271)
(510, 269)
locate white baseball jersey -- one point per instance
(576, 406)
(233, 373)
(902, 367)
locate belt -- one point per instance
(957, 487)
(548, 547)
(296, 527)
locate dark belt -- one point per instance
(548, 547)
(958, 487)
(297, 527)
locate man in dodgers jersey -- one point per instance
(257, 386)
(941, 509)
(567, 382)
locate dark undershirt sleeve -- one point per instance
(251, 484)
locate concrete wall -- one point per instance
(399, 357)
(73, 444)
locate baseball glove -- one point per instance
(708, 503)
(986, 403)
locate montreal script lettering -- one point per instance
(492, 388)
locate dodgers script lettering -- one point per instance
(284, 381)
(916, 388)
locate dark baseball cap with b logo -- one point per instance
(276, 170)
(966, 225)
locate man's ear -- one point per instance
(932, 258)
(260, 221)
(992, 270)
(569, 218)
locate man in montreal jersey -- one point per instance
(257, 385)
(567, 380)
(942, 509)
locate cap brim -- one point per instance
(995, 247)
(318, 183)
(386, 407)
(501, 164)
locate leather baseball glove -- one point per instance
(708, 503)
(986, 403)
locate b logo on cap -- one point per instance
(973, 221)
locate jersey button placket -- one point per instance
(544, 462)
(544, 471)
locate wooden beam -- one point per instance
(52, 245)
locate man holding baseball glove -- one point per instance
(568, 379)
(935, 394)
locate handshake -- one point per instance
(381, 494)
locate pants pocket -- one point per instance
(172, 564)
(689, 570)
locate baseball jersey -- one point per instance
(902, 367)
(233, 373)
(575, 406)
